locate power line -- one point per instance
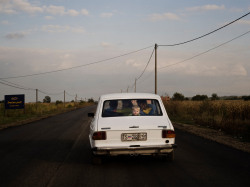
(50, 93)
(207, 33)
(146, 65)
(206, 51)
(69, 94)
(74, 67)
(11, 84)
(15, 85)
(144, 68)
(196, 55)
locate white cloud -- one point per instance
(15, 35)
(60, 28)
(132, 63)
(245, 22)
(49, 17)
(72, 12)
(25, 6)
(55, 10)
(5, 22)
(206, 8)
(84, 12)
(15, 6)
(105, 44)
(106, 15)
(209, 70)
(164, 16)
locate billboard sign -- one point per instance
(14, 101)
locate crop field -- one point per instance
(232, 117)
(33, 110)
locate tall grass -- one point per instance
(232, 117)
(33, 110)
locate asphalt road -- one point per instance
(56, 152)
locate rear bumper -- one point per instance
(135, 150)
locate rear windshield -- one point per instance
(131, 107)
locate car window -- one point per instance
(131, 107)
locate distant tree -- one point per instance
(82, 102)
(58, 102)
(47, 99)
(246, 98)
(199, 98)
(91, 100)
(178, 97)
(214, 97)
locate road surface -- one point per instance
(56, 152)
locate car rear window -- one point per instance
(131, 107)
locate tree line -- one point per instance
(180, 97)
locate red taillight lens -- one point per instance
(99, 135)
(168, 134)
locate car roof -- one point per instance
(130, 96)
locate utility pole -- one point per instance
(64, 98)
(135, 85)
(156, 68)
(36, 98)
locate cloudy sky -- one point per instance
(94, 47)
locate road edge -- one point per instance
(214, 135)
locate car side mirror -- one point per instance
(91, 115)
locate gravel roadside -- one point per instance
(214, 135)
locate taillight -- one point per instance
(99, 135)
(168, 134)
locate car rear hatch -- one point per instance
(134, 131)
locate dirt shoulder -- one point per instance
(214, 135)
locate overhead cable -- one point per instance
(195, 55)
(74, 67)
(208, 33)
(50, 93)
(146, 65)
(205, 51)
(15, 85)
(69, 94)
(144, 68)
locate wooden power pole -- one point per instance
(156, 68)
(135, 85)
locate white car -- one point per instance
(131, 124)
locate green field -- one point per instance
(34, 111)
(232, 117)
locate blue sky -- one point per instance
(41, 36)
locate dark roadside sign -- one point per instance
(14, 101)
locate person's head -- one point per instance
(113, 104)
(136, 110)
(142, 104)
(126, 103)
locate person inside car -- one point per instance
(136, 110)
(112, 110)
(146, 109)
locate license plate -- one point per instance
(134, 136)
